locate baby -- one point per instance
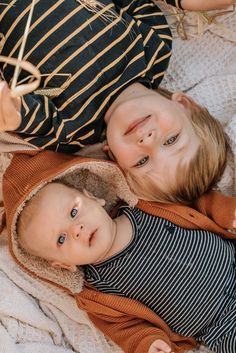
(194, 288)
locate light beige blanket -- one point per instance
(35, 317)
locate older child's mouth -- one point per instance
(136, 124)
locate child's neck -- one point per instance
(122, 237)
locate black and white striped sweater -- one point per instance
(186, 276)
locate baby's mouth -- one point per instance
(91, 237)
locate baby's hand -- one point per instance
(10, 117)
(206, 5)
(159, 346)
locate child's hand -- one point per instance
(206, 5)
(234, 221)
(159, 346)
(10, 117)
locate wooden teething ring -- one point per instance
(22, 89)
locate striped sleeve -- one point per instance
(137, 3)
(148, 14)
(41, 118)
(176, 3)
(155, 29)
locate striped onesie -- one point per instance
(186, 276)
(89, 57)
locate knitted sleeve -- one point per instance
(129, 323)
(218, 207)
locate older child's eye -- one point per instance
(171, 140)
(142, 161)
(61, 239)
(73, 212)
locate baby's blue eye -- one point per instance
(61, 239)
(73, 212)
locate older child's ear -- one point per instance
(105, 147)
(183, 99)
(102, 202)
(108, 152)
(56, 264)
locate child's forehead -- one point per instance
(50, 193)
(58, 195)
(57, 188)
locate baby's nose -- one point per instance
(77, 231)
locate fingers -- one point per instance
(10, 117)
(203, 5)
(23, 89)
(234, 221)
(159, 346)
(105, 148)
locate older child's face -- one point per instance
(70, 228)
(152, 135)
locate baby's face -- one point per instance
(152, 135)
(70, 228)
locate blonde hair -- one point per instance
(200, 174)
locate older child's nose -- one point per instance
(146, 138)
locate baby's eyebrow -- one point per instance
(67, 206)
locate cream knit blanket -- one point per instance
(35, 317)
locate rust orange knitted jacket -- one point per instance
(127, 322)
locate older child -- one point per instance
(105, 61)
(193, 268)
